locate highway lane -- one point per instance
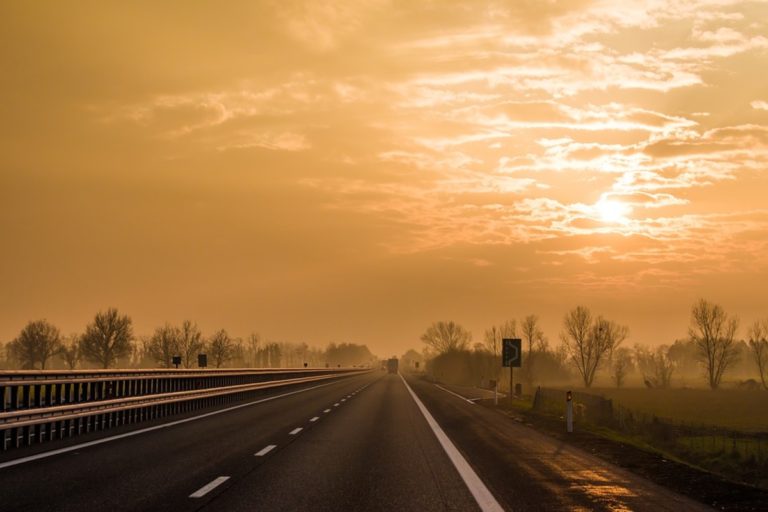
(527, 470)
(376, 453)
(160, 469)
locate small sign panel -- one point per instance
(512, 352)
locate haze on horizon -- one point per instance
(352, 171)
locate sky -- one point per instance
(352, 171)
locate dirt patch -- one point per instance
(690, 481)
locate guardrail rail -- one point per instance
(39, 406)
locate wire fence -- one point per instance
(717, 448)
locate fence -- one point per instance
(706, 445)
(38, 406)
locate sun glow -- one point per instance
(614, 212)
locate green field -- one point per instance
(730, 409)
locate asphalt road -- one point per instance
(359, 443)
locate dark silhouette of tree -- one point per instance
(758, 342)
(190, 343)
(533, 336)
(36, 344)
(220, 348)
(589, 341)
(163, 345)
(348, 354)
(446, 336)
(713, 331)
(622, 365)
(252, 349)
(107, 338)
(661, 367)
(495, 334)
(70, 351)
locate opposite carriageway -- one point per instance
(38, 406)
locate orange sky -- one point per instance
(351, 171)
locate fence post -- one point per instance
(569, 411)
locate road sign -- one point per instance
(512, 352)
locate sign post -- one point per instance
(512, 357)
(568, 411)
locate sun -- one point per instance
(611, 211)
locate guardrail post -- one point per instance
(14, 391)
(27, 396)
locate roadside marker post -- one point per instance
(569, 411)
(495, 384)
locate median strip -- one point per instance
(209, 487)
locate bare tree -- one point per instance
(492, 341)
(253, 348)
(713, 331)
(446, 336)
(656, 365)
(532, 333)
(589, 341)
(108, 338)
(622, 365)
(164, 344)
(190, 343)
(663, 367)
(758, 342)
(36, 344)
(220, 348)
(534, 337)
(70, 351)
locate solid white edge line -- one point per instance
(314, 419)
(456, 394)
(295, 431)
(480, 492)
(265, 450)
(75, 447)
(209, 487)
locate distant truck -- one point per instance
(392, 365)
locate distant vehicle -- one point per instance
(392, 365)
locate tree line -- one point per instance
(108, 341)
(591, 344)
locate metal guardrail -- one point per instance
(43, 406)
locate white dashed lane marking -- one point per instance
(265, 450)
(209, 487)
(296, 431)
(315, 419)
